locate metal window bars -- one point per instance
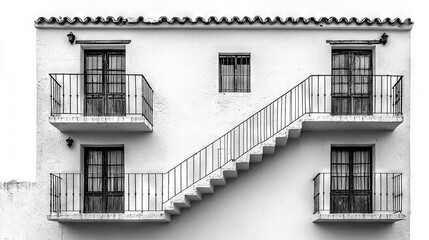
(234, 72)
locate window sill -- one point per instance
(358, 217)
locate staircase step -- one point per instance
(255, 155)
(217, 178)
(230, 170)
(204, 186)
(281, 138)
(192, 194)
(269, 146)
(182, 201)
(171, 209)
(243, 163)
(295, 130)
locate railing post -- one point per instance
(162, 191)
(323, 190)
(50, 193)
(59, 198)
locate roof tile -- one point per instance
(223, 20)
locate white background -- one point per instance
(18, 67)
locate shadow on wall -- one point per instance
(367, 231)
(340, 231)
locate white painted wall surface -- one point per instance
(271, 201)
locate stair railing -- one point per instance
(369, 94)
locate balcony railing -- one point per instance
(106, 193)
(383, 95)
(101, 95)
(382, 194)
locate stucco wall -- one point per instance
(21, 215)
(182, 67)
(271, 201)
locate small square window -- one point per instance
(234, 72)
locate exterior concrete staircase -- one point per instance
(207, 184)
(307, 103)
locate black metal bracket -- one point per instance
(382, 40)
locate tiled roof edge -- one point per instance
(223, 20)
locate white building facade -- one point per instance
(141, 123)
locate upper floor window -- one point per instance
(234, 72)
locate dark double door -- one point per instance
(351, 180)
(104, 180)
(105, 83)
(352, 79)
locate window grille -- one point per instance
(234, 72)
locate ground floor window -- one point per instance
(351, 180)
(104, 180)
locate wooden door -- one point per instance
(105, 83)
(104, 180)
(351, 180)
(352, 77)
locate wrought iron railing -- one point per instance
(382, 194)
(383, 95)
(98, 192)
(101, 95)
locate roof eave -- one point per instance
(234, 22)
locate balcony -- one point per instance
(128, 197)
(347, 102)
(378, 201)
(100, 102)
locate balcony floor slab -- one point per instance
(326, 121)
(358, 217)
(79, 123)
(146, 216)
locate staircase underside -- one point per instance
(206, 185)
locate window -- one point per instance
(351, 180)
(351, 82)
(234, 72)
(104, 180)
(104, 82)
